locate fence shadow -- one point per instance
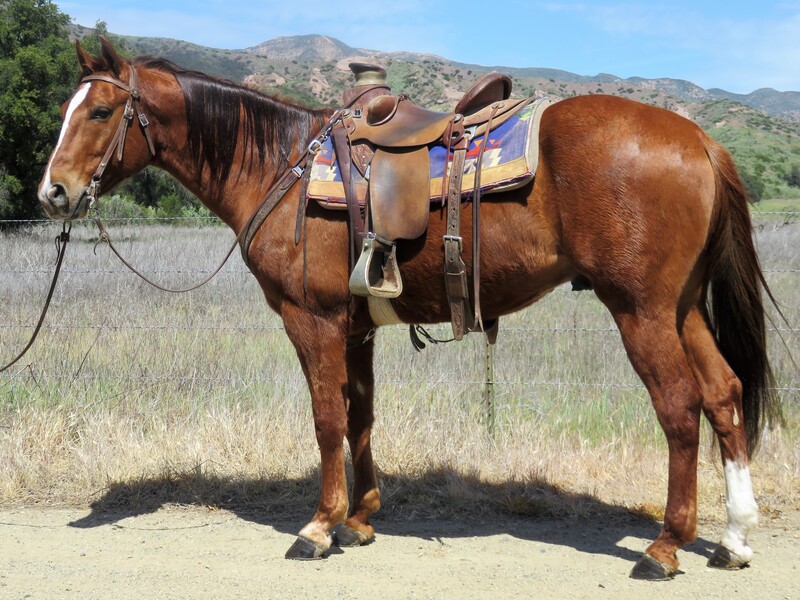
(437, 504)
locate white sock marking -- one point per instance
(742, 509)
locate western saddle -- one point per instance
(387, 138)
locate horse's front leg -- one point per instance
(320, 345)
(357, 530)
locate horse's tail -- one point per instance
(736, 305)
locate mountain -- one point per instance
(320, 48)
(781, 104)
(761, 129)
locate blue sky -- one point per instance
(736, 45)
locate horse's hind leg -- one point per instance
(722, 405)
(357, 531)
(655, 350)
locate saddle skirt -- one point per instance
(509, 162)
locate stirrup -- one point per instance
(376, 273)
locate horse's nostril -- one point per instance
(56, 191)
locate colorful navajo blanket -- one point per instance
(509, 161)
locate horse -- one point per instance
(636, 200)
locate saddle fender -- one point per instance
(399, 193)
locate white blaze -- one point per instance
(76, 101)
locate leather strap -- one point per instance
(455, 273)
(476, 223)
(268, 204)
(357, 221)
(61, 245)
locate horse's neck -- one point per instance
(252, 171)
(234, 202)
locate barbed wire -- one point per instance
(177, 379)
(393, 329)
(212, 218)
(202, 379)
(229, 271)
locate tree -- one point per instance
(793, 176)
(38, 71)
(753, 184)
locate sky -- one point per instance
(736, 45)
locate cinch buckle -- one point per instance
(454, 238)
(314, 147)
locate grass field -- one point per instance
(134, 396)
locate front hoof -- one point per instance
(304, 549)
(649, 569)
(725, 559)
(347, 537)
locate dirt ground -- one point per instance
(198, 553)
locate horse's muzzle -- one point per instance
(56, 203)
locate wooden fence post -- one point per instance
(488, 390)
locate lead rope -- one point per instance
(106, 238)
(61, 246)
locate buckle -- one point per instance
(454, 238)
(314, 147)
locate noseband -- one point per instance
(118, 141)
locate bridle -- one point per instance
(132, 108)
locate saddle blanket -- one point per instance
(509, 162)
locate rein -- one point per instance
(61, 246)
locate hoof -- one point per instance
(304, 549)
(649, 569)
(347, 537)
(725, 559)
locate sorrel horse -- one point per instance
(635, 199)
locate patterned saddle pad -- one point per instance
(509, 162)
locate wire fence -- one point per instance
(238, 271)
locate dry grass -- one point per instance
(133, 398)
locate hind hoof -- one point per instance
(347, 537)
(649, 569)
(727, 560)
(304, 549)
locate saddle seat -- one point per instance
(396, 122)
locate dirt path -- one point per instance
(196, 553)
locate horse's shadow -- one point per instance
(437, 504)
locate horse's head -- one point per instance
(103, 139)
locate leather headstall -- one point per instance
(132, 108)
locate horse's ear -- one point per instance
(110, 56)
(87, 62)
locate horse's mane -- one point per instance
(265, 125)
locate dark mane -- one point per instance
(268, 128)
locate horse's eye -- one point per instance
(101, 113)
